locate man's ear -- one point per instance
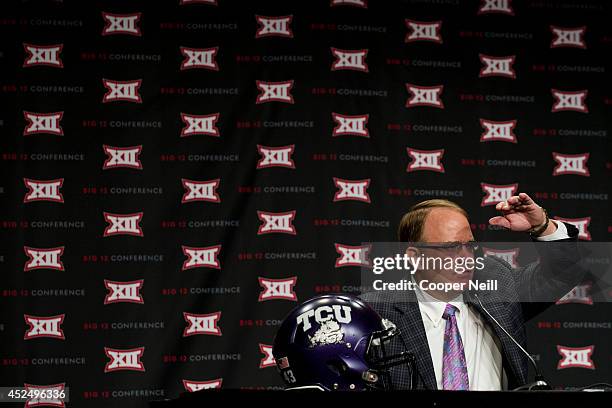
(413, 252)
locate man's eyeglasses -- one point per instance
(471, 246)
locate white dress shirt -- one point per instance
(481, 345)
(560, 233)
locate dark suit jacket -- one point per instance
(556, 274)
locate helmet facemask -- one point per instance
(378, 377)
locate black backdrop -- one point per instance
(80, 150)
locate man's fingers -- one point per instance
(501, 221)
(517, 203)
(526, 199)
(504, 206)
(514, 200)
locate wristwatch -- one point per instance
(539, 229)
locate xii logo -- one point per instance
(122, 91)
(43, 55)
(274, 91)
(277, 289)
(128, 359)
(274, 26)
(423, 31)
(43, 123)
(121, 24)
(49, 326)
(496, 193)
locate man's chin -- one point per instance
(464, 277)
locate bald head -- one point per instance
(446, 225)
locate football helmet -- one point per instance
(337, 342)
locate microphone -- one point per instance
(539, 383)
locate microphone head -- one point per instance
(539, 384)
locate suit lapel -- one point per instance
(501, 315)
(413, 333)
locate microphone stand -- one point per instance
(539, 383)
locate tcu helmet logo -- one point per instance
(47, 258)
(274, 91)
(502, 131)
(568, 37)
(425, 160)
(45, 395)
(353, 60)
(350, 125)
(581, 223)
(322, 314)
(123, 224)
(497, 66)
(193, 386)
(508, 255)
(355, 190)
(268, 358)
(204, 58)
(496, 193)
(128, 359)
(355, 3)
(47, 190)
(43, 123)
(571, 164)
(274, 26)
(119, 292)
(281, 223)
(122, 91)
(275, 157)
(43, 55)
(575, 357)
(579, 294)
(277, 289)
(201, 191)
(202, 324)
(204, 257)
(200, 124)
(424, 96)
(352, 255)
(128, 157)
(569, 101)
(121, 24)
(423, 31)
(496, 6)
(44, 327)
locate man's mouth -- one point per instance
(467, 275)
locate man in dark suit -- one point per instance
(455, 343)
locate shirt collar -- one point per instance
(434, 308)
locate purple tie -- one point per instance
(454, 368)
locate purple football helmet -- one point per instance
(336, 342)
